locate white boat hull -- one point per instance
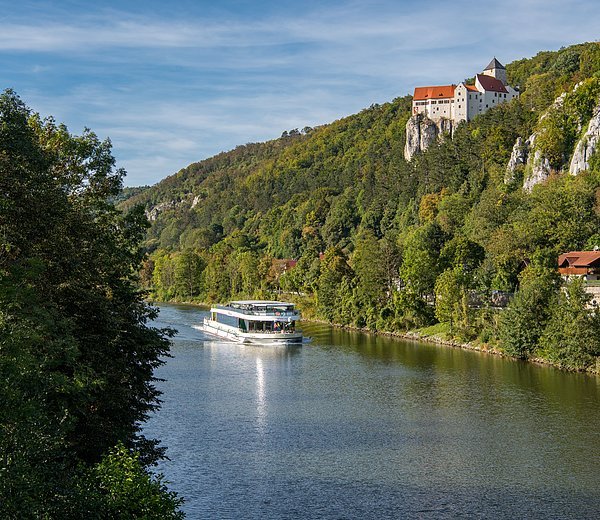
(233, 334)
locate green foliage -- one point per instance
(572, 337)
(559, 129)
(450, 297)
(420, 255)
(128, 491)
(76, 354)
(371, 277)
(524, 321)
(188, 275)
(546, 75)
(402, 242)
(333, 270)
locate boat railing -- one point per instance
(219, 326)
(268, 311)
(270, 331)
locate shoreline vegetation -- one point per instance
(376, 243)
(435, 334)
(473, 223)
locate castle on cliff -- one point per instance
(463, 102)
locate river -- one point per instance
(352, 425)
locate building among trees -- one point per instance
(585, 265)
(464, 101)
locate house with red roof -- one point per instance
(463, 102)
(580, 263)
(583, 264)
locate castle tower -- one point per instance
(496, 70)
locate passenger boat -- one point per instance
(255, 321)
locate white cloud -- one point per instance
(172, 91)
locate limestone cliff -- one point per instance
(422, 132)
(537, 167)
(587, 145)
(518, 158)
(153, 212)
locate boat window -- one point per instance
(228, 320)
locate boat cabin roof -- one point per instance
(258, 310)
(258, 303)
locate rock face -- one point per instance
(422, 132)
(518, 157)
(540, 166)
(587, 145)
(153, 213)
(444, 127)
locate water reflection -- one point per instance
(261, 402)
(358, 426)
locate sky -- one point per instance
(174, 82)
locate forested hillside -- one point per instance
(393, 245)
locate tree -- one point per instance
(76, 353)
(420, 253)
(334, 268)
(341, 219)
(451, 298)
(163, 275)
(188, 274)
(572, 337)
(127, 491)
(524, 321)
(372, 287)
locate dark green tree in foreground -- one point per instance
(76, 353)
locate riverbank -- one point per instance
(436, 334)
(353, 425)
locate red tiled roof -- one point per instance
(579, 259)
(472, 88)
(439, 92)
(491, 84)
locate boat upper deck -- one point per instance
(260, 308)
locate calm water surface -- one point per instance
(357, 426)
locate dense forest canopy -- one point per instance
(384, 243)
(76, 352)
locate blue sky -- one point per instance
(173, 82)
